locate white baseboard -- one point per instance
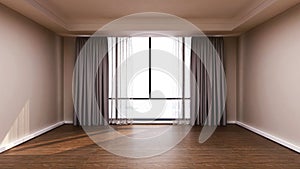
(68, 122)
(231, 122)
(255, 130)
(271, 137)
(30, 136)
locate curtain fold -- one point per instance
(90, 85)
(208, 91)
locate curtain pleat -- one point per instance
(90, 85)
(208, 91)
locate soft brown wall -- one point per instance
(230, 65)
(69, 62)
(269, 77)
(31, 76)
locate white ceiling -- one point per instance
(76, 17)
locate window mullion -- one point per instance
(183, 78)
(116, 80)
(150, 67)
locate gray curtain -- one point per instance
(209, 90)
(90, 82)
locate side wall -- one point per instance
(69, 62)
(269, 78)
(31, 77)
(230, 65)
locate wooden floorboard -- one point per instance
(230, 147)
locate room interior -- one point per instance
(44, 111)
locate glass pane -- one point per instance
(139, 44)
(172, 109)
(187, 112)
(134, 69)
(111, 64)
(111, 108)
(187, 61)
(167, 44)
(122, 109)
(138, 68)
(150, 109)
(165, 83)
(166, 66)
(139, 85)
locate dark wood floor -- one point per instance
(230, 147)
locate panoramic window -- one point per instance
(148, 78)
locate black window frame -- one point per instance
(183, 98)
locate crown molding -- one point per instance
(49, 14)
(253, 12)
(51, 19)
